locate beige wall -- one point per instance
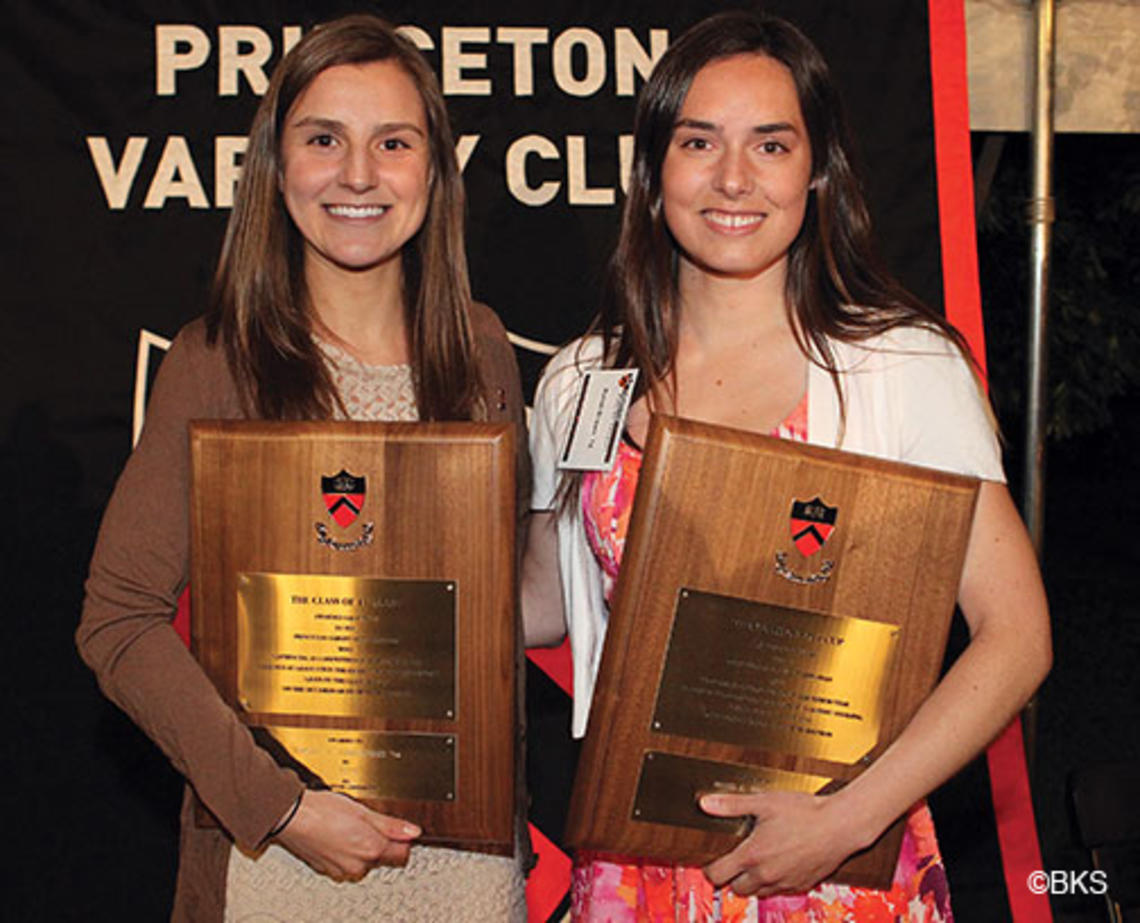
(1098, 65)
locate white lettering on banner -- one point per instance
(456, 61)
(563, 61)
(630, 56)
(116, 181)
(417, 37)
(577, 61)
(625, 160)
(243, 50)
(578, 189)
(290, 35)
(177, 48)
(176, 177)
(517, 183)
(523, 41)
(228, 149)
(464, 147)
(580, 192)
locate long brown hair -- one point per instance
(260, 307)
(837, 286)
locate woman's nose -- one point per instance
(734, 173)
(358, 169)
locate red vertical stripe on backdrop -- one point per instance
(951, 103)
(1009, 781)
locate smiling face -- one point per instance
(355, 174)
(736, 175)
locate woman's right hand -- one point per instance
(343, 839)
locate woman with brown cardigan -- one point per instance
(341, 292)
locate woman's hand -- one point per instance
(797, 841)
(343, 839)
(800, 839)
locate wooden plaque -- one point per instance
(353, 589)
(781, 614)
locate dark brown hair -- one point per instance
(260, 308)
(837, 286)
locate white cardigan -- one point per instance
(910, 396)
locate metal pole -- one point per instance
(1041, 236)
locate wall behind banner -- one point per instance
(121, 143)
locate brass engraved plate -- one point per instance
(670, 785)
(346, 646)
(376, 764)
(774, 678)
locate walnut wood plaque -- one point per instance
(353, 590)
(781, 614)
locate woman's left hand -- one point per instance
(797, 841)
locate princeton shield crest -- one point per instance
(811, 524)
(344, 497)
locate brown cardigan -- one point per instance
(140, 567)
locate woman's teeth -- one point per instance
(357, 211)
(727, 220)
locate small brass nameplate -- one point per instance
(670, 785)
(774, 678)
(376, 764)
(346, 646)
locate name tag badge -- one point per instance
(599, 419)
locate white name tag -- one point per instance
(599, 419)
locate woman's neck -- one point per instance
(362, 312)
(738, 362)
(721, 310)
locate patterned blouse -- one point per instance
(608, 891)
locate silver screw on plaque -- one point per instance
(449, 713)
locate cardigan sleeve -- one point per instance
(948, 422)
(138, 570)
(583, 604)
(544, 446)
(500, 372)
(909, 395)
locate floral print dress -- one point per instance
(610, 889)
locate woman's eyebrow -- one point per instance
(316, 121)
(767, 128)
(771, 128)
(697, 124)
(385, 127)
